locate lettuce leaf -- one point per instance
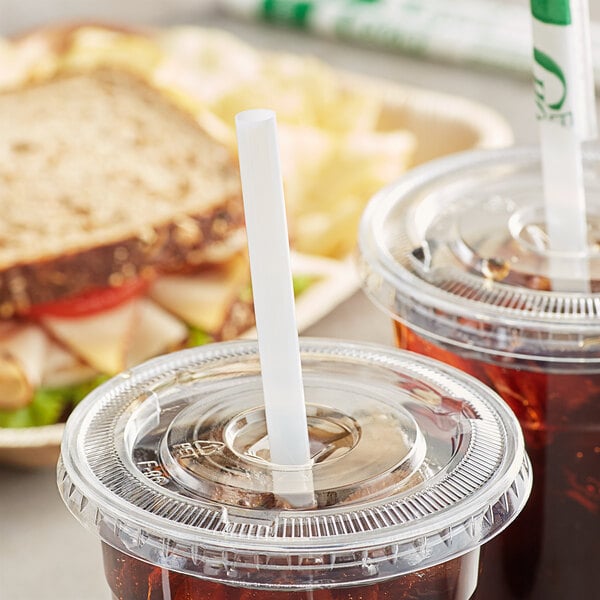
(49, 405)
(197, 337)
(302, 283)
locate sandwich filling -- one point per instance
(121, 238)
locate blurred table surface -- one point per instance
(44, 553)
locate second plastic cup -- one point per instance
(415, 466)
(457, 253)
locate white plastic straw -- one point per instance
(272, 287)
(566, 112)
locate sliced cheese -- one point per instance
(157, 331)
(22, 354)
(101, 340)
(202, 300)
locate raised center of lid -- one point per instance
(503, 238)
(332, 435)
(220, 450)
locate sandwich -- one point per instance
(121, 237)
(122, 229)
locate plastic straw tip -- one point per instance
(255, 115)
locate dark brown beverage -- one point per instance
(559, 410)
(132, 579)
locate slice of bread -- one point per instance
(102, 179)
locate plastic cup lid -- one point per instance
(414, 464)
(458, 248)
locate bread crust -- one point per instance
(172, 247)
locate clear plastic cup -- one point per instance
(456, 253)
(415, 466)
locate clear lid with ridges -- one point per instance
(458, 249)
(414, 464)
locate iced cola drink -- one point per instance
(415, 466)
(457, 254)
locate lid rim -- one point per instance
(80, 495)
(308, 550)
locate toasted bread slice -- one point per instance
(104, 179)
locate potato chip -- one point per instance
(303, 150)
(360, 165)
(94, 46)
(207, 63)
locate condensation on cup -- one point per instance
(414, 467)
(457, 254)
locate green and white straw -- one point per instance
(488, 33)
(564, 96)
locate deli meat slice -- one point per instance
(202, 300)
(23, 351)
(102, 339)
(156, 332)
(63, 368)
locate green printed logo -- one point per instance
(555, 83)
(553, 12)
(291, 11)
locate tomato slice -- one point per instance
(90, 302)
